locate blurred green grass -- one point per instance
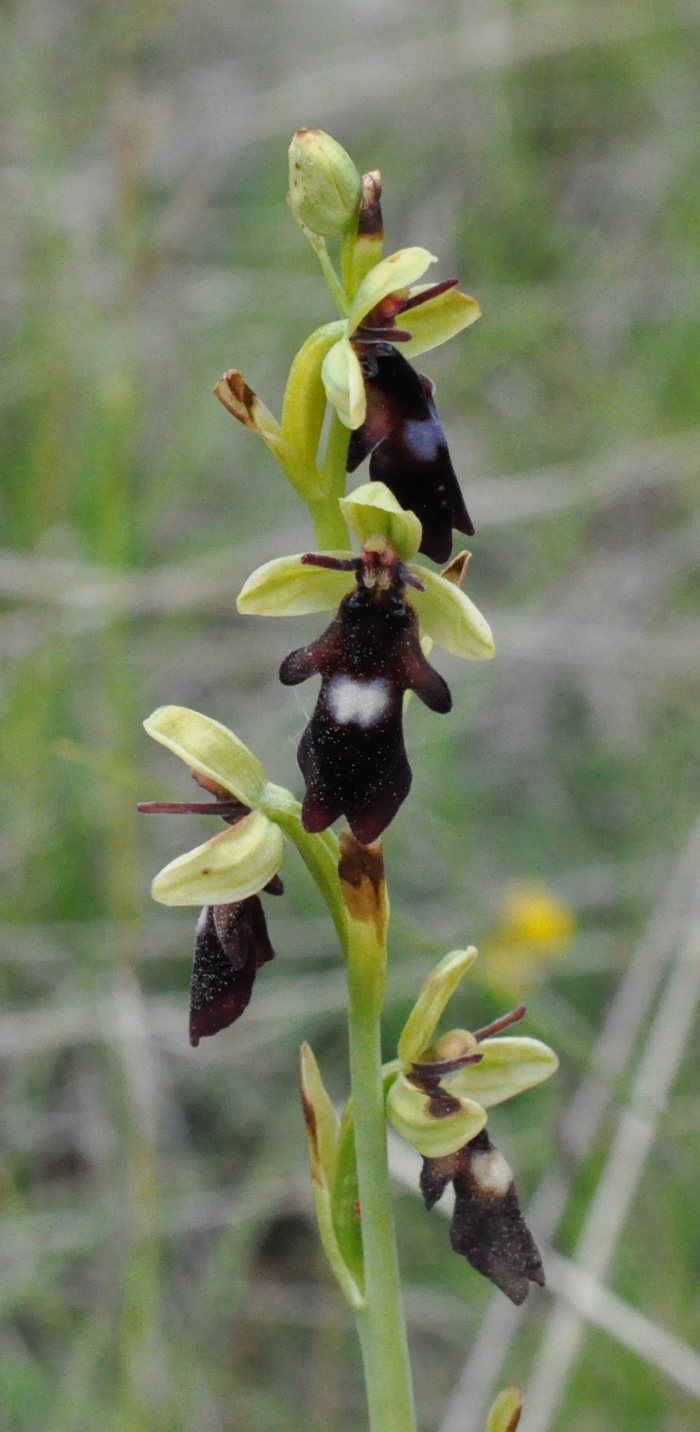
(160, 1271)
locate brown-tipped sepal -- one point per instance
(505, 1411)
(487, 1228)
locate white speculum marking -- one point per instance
(491, 1172)
(362, 702)
(422, 438)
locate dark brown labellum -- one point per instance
(403, 437)
(487, 1228)
(352, 753)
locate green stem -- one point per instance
(381, 1324)
(329, 525)
(319, 247)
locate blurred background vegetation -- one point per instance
(160, 1267)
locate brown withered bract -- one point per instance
(487, 1227)
(352, 753)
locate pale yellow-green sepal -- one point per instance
(431, 1003)
(411, 1113)
(231, 866)
(286, 587)
(396, 272)
(448, 616)
(372, 510)
(437, 320)
(344, 384)
(209, 749)
(505, 1412)
(509, 1065)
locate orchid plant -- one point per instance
(388, 609)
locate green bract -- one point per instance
(239, 861)
(287, 587)
(431, 1107)
(431, 323)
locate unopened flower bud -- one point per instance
(325, 188)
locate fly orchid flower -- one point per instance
(226, 873)
(352, 754)
(438, 1099)
(438, 312)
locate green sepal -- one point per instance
(450, 618)
(322, 1134)
(345, 1200)
(231, 866)
(344, 384)
(437, 320)
(390, 275)
(372, 510)
(429, 1007)
(510, 1064)
(209, 749)
(417, 1117)
(286, 587)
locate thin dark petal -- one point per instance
(488, 1228)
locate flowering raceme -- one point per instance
(387, 611)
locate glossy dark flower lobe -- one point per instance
(404, 439)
